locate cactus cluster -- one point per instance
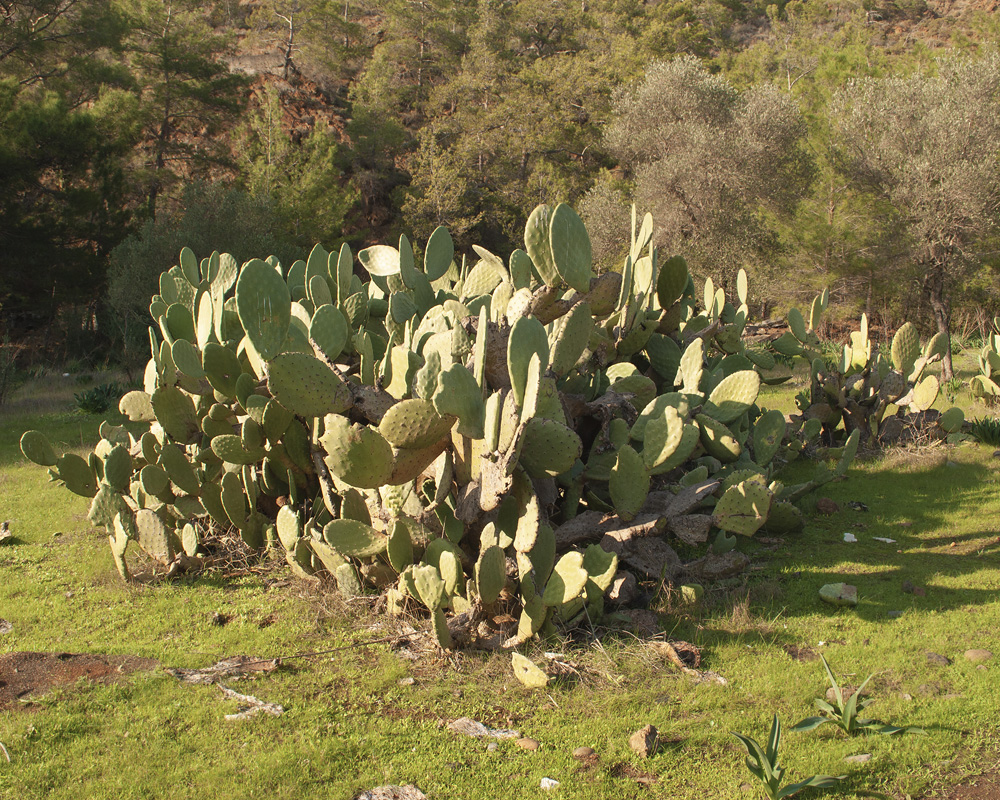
(985, 385)
(493, 441)
(865, 393)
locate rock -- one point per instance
(718, 566)
(839, 594)
(548, 783)
(5, 626)
(491, 746)
(977, 656)
(861, 758)
(826, 506)
(583, 752)
(643, 741)
(894, 614)
(644, 622)
(409, 681)
(624, 589)
(652, 557)
(475, 729)
(407, 792)
(937, 659)
(527, 744)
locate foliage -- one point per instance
(845, 713)
(986, 430)
(926, 144)
(708, 161)
(423, 433)
(763, 765)
(98, 399)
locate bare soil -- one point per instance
(982, 787)
(24, 677)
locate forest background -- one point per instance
(842, 143)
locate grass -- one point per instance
(351, 725)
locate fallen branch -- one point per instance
(255, 706)
(5, 752)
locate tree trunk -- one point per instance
(934, 288)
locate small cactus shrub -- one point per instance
(481, 438)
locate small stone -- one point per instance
(996, 454)
(527, 744)
(826, 506)
(977, 656)
(894, 614)
(981, 666)
(57, 534)
(5, 626)
(905, 524)
(583, 752)
(548, 783)
(906, 696)
(839, 594)
(861, 758)
(408, 792)
(409, 681)
(643, 741)
(491, 746)
(908, 587)
(938, 660)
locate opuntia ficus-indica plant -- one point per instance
(504, 435)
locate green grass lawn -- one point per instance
(350, 724)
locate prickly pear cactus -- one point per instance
(486, 440)
(883, 399)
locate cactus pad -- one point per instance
(414, 424)
(306, 386)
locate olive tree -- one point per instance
(713, 164)
(928, 146)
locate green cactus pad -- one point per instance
(743, 508)
(662, 437)
(399, 547)
(35, 447)
(118, 469)
(905, 348)
(119, 544)
(306, 386)
(358, 455)
(527, 338)
(175, 412)
(76, 474)
(136, 405)
(527, 673)
(567, 581)
(409, 464)
(289, 528)
(438, 254)
(179, 469)
(222, 368)
(571, 339)
(601, 566)
(380, 260)
(154, 482)
(230, 448)
(850, 450)
(717, 439)
(459, 395)
(414, 424)
(629, 483)
(783, 518)
(153, 536)
(671, 281)
(549, 447)
(233, 498)
(264, 307)
(328, 331)
(952, 420)
(691, 367)
(768, 431)
(664, 356)
(348, 582)
(105, 506)
(733, 395)
(352, 538)
(925, 393)
(491, 574)
(537, 244)
(571, 250)
(797, 325)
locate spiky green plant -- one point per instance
(844, 713)
(763, 765)
(986, 430)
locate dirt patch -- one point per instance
(26, 676)
(982, 787)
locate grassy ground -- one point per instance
(352, 722)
